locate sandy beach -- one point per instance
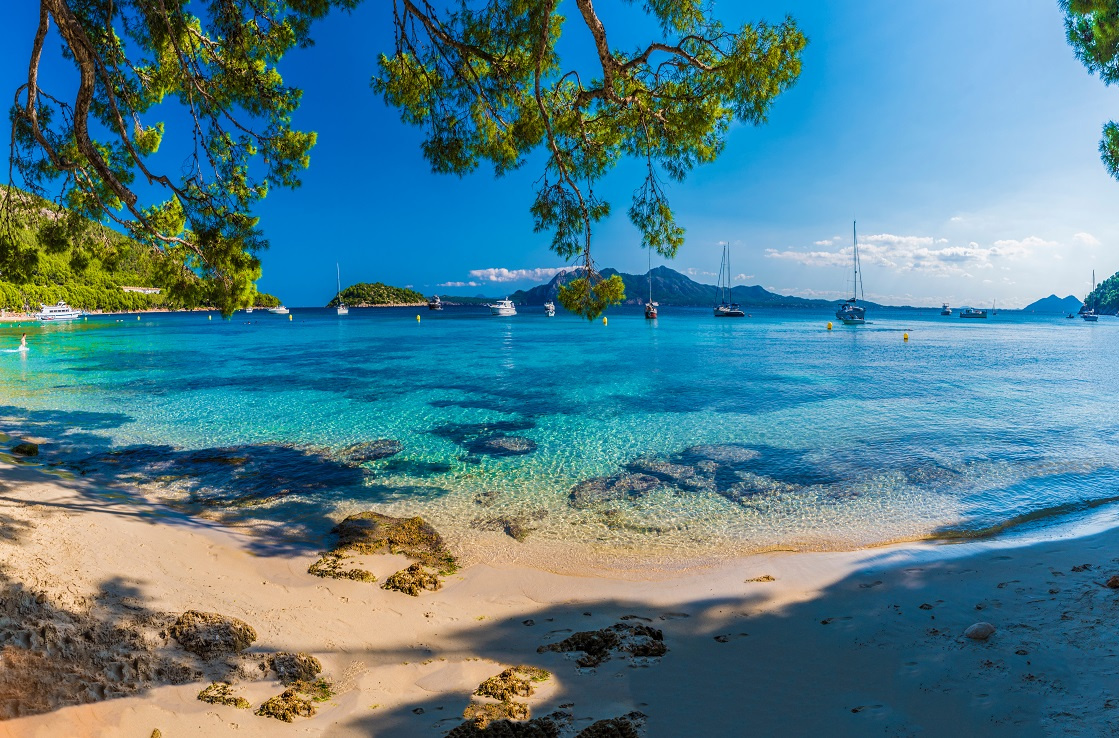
(862, 643)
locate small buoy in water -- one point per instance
(417, 317)
(829, 325)
(905, 336)
(604, 320)
(209, 317)
(137, 317)
(289, 316)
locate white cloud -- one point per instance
(741, 277)
(825, 242)
(922, 254)
(500, 274)
(693, 272)
(1087, 239)
(459, 284)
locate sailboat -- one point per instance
(1087, 313)
(650, 306)
(726, 308)
(850, 312)
(342, 308)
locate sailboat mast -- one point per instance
(856, 288)
(650, 276)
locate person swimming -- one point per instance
(23, 343)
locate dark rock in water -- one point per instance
(638, 640)
(463, 433)
(1113, 583)
(413, 580)
(209, 634)
(723, 453)
(678, 474)
(26, 449)
(631, 725)
(619, 487)
(371, 451)
(514, 527)
(502, 446)
(295, 667)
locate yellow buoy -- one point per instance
(829, 325)
(417, 317)
(209, 317)
(289, 316)
(905, 336)
(604, 320)
(137, 317)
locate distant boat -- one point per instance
(248, 310)
(850, 312)
(727, 307)
(650, 306)
(1087, 313)
(973, 313)
(342, 308)
(503, 307)
(945, 310)
(279, 310)
(435, 303)
(60, 311)
(550, 309)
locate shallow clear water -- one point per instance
(682, 437)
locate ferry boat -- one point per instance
(851, 312)
(503, 307)
(973, 313)
(550, 309)
(61, 311)
(945, 310)
(434, 303)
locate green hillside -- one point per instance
(369, 294)
(1105, 298)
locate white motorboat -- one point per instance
(279, 310)
(973, 313)
(945, 310)
(435, 303)
(342, 308)
(851, 312)
(650, 306)
(61, 311)
(503, 307)
(550, 309)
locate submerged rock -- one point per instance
(210, 634)
(599, 490)
(294, 667)
(221, 693)
(382, 448)
(516, 528)
(413, 580)
(631, 725)
(638, 640)
(1113, 583)
(502, 446)
(26, 449)
(980, 631)
(549, 726)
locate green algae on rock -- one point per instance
(210, 634)
(516, 681)
(287, 706)
(26, 449)
(329, 566)
(372, 533)
(413, 580)
(221, 693)
(549, 726)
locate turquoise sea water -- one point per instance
(684, 437)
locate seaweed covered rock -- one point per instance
(210, 634)
(221, 693)
(294, 667)
(26, 449)
(502, 445)
(640, 641)
(549, 726)
(516, 681)
(413, 580)
(359, 453)
(287, 706)
(330, 566)
(372, 533)
(484, 713)
(631, 725)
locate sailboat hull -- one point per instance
(729, 311)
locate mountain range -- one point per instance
(670, 287)
(1054, 304)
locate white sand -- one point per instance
(837, 645)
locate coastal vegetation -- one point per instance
(1092, 27)
(1105, 297)
(369, 294)
(485, 80)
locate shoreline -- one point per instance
(855, 621)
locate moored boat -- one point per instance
(973, 313)
(727, 307)
(550, 309)
(279, 310)
(851, 312)
(945, 310)
(435, 303)
(503, 307)
(59, 311)
(342, 308)
(650, 306)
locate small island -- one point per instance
(377, 294)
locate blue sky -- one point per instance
(961, 135)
